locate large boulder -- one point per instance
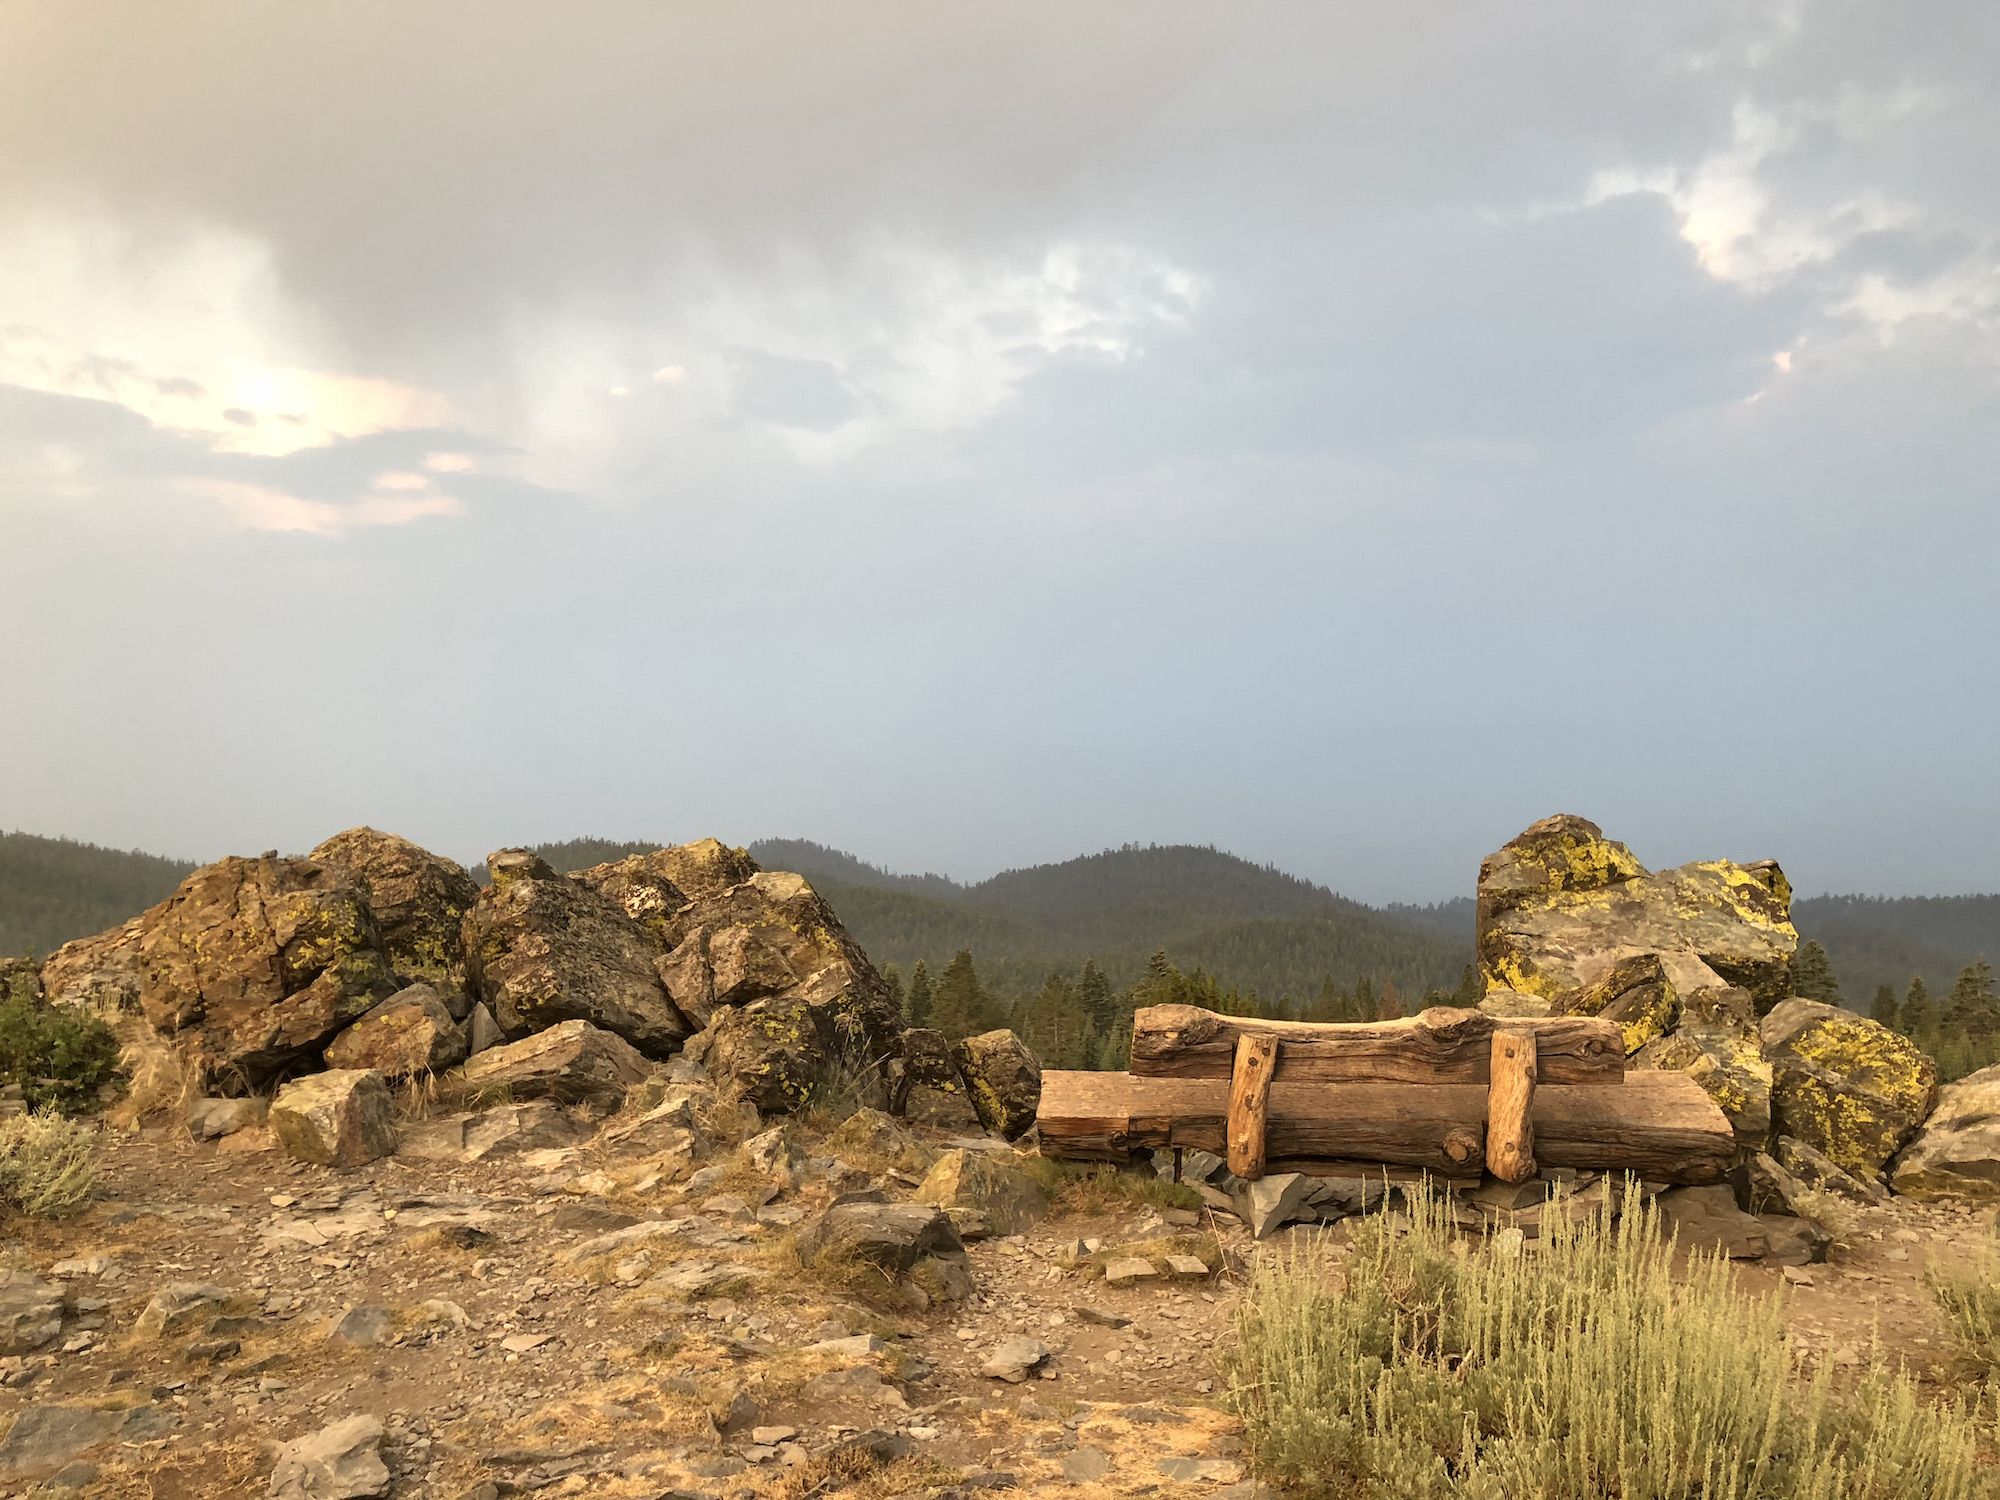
(1002, 1079)
(540, 949)
(1845, 1085)
(259, 962)
(409, 1034)
(1957, 1153)
(419, 899)
(791, 1004)
(641, 888)
(573, 1062)
(1561, 904)
(341, 1118)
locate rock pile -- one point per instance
(381, 961)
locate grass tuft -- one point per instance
(1095, 1187)
(1968, 1292)
(1419, 1368)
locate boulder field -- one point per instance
(374, 957)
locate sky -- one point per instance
(972, 435)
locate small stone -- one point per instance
(364, 1326)
(522, 1343)
(1202, 1470)
(30, 1312)
(342, 1461)
(770, 1437)
(1187, 1268)
(1103, 1317)
(1085, 1465)
(1128, 1270)
(1796, 1275)
(178, 1306)
(340, 1118)
(1015, 1359)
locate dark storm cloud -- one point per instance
(971, 434)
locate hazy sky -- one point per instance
(973, 434)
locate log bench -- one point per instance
(1455, 1092)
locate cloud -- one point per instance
(256, 507)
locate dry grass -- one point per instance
(1968, 1292)
(1083, 1188)
(48, 1164)
(160, 1080)
(1421, 1368)
(857, 1472)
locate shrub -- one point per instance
(59, 1055)
(1578, 1369)
(1969, 1294)
(48, 1164)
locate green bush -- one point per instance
(59, 1056)
(1582, 1367)
(48, 1164)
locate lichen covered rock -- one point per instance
(1729, 1064)
(419, 900)
(541, 949)
(1845, 1085)
(1957, 1153)
(341, 1118)
(260, 961)
(410, 1034)
(1002, 1079)
(1635, 993)
(1561, 904)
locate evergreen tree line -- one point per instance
(1082, 1020)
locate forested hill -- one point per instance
(52, 890)
(1254, 927)
(1877, 940)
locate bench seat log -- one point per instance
(1659, 1125)
(1440, 1045)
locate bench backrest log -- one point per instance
(1452, 1091)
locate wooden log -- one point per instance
(1249, 1100)
(1441, 1045)
(1510, 1100)
(1660, 1125)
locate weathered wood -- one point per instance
(1249, 1100)
(1660, 1125)
(1442, 1045)
(1510, 1100)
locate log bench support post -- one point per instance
(1510, 1102)
(1250, 1103)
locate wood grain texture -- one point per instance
(1510, 1101)
(1249, 1100)
(1660, 1125)
(1441, 1045)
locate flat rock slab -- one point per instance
(1015, 1359)
(43, 1438)
(1128, 1270)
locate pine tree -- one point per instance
(1918, 1018)
(1886, 1009)
(917, 1003)
(1053, 1025)
(1160, 982)
(1095, 1000)
(959, 1005)
(1812, 974)
(1973, 1004)
(1390, 1006)
(1471, 989)
(1362, 1007)
(893, 977)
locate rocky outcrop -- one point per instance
(641, 887)
(409, 1035)
(1845, 1085)
(341, 1118)
(910, 1244)
(260, 962)
(1002, 1079)
(99, 973)
(541, 949)
(1561, 904)
(419, 900)
(573, 1062)
(1957, 1153)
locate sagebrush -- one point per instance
(48, 1163)
(1577, 1368)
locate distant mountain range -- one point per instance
(1252, 926)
